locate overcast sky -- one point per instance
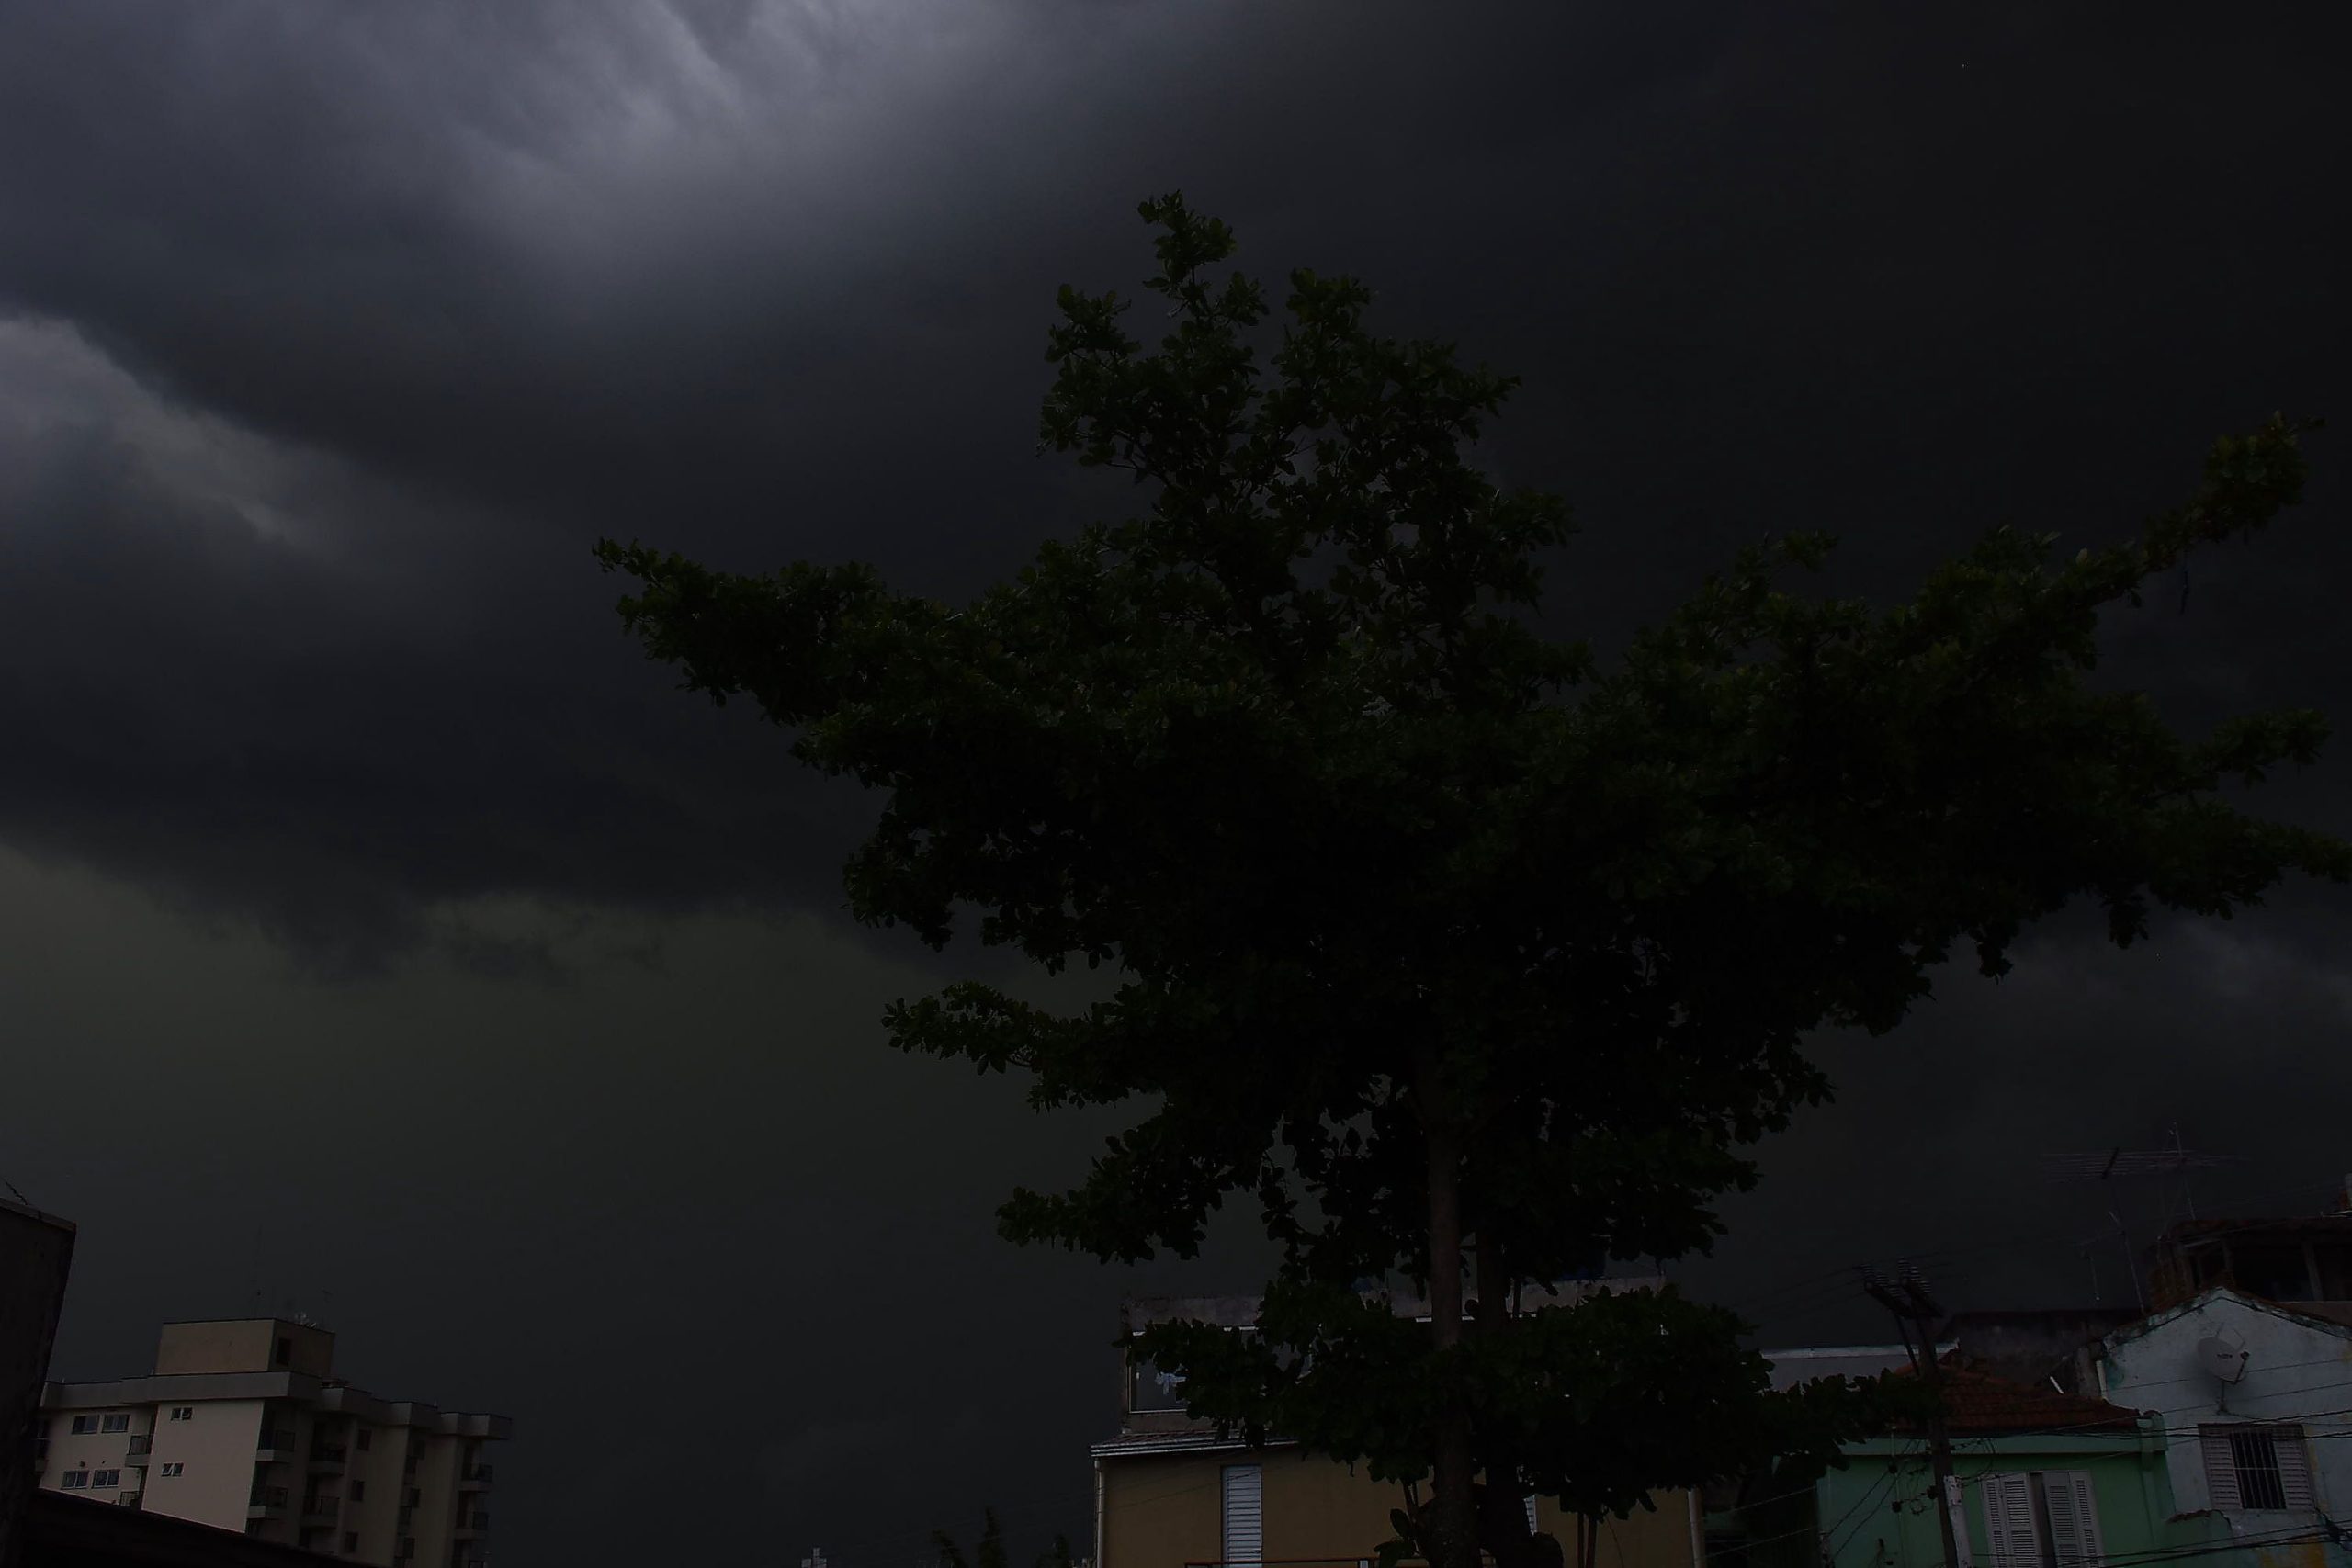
(379, 934)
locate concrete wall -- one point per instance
(215, 1449)
(95, 1450)
(435, 1480)
(243, 1345)
(2295, 1372)
(371, 1489)
(36, 1251)
(1166, 1510)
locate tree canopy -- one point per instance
(1467, 958)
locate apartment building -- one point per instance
(36, 1255)
(1170, 1492)
(243, 1426)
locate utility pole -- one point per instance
(1906, 1297)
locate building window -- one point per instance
(85, 1424)
(173, 1468)
(2043, 1518)
(2281, 1273)
(350, 1542)
(114, 1422)
(1149, 1388)
(285, 1349)
(367, 1438)
(2256, 1468)
(1245, 1518)
(359, 1490)
(106, 1478)
(183, 1412)
(75, 1480)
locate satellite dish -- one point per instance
(2223, 1355)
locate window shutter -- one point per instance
(2220, 1468)
(2294, 1467)
(2008, 1522)
(1244, 1538)
(1530, 1514)
(2073, 1509)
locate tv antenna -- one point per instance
(2120, 1162)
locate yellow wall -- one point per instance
(1166, 1510)
(1163, 1510)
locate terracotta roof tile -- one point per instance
(1979, 1402)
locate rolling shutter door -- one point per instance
(1245, 1532)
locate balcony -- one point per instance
(328, 1456)
(275, 1442)
(471, 1524)
(140, 1446)
(474, 1475)
(266, 1503)
(319, 1511)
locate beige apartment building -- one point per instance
(1169, 1493)
(243, 1426)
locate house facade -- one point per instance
(2254, 1400)
(1170, 1492)
(2045, 1480)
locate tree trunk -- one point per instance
(1502, 1507)
(1450, 1530)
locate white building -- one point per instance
(243, 1425)
(2257, 1402)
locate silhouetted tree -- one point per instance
(988, 1552)
(1465, 958)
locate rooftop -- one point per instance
(1979, 1403)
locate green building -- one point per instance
(2045, 1480)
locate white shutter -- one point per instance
(2008, 1522)
(2220, 1468)
(2294, 1467)
(1530, 1514)
(2072, 1508)
(1245, 1522)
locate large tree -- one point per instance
(1468, 959)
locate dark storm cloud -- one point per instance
(761, 281)
(254, 679)
(329, 338)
